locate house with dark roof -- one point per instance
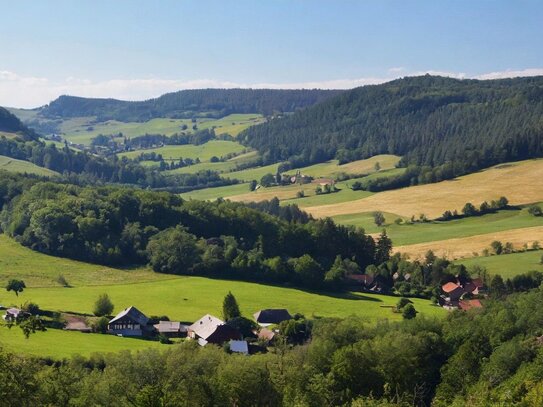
(129, 322)
(210, 329)
(267, 317)
(171, 329)
(453, 291)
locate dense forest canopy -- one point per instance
(428, 120)
(116, 225)
(214, 103)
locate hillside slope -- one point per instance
(428, 120)
(10, 124)
(187, 104)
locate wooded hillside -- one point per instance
(428, 120)
(188, 103)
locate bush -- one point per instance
(62, 281)
(100, 325)
(31, 307)
(402, 302)
(409, 312)
(103, 306)
(164, 339)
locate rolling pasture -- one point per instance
(179, 297)
(508, 265)
(20, 166)
(204, 152)
(83, 129)
(517, 181)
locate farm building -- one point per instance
(171, 329)
(267, 317)
(453, 291)
(210, 329)
(129, 322)
(14, 314)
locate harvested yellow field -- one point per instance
(520, 182)
(466, 246)
(367, 166)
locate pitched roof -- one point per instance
(132, 313)
(266, 334)
(206, 325)
(272, 316)
(170, 327)
(239, 346)
(469, 304)
(361, 278)
(450, 287)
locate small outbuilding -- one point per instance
(171, 329)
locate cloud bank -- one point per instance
(28, 91)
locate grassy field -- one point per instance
(232, 124)
(462, 247)
(223, 166)
(210, 194)
(20, 166)
(83, 129)
(179, 297)
(407, 234)
(515, 181)
(59, 344)
(255, 173)
(204, 152)
(332, 169)
(508, 265)
(40, 270)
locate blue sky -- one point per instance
(139, 49)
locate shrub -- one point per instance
(31, 307)
(100, 325)
(409, 312)
(62, 281)
(103, 306)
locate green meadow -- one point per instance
(204, 152)
(59, 344)
(508, 265)
(179, 297)
(83, 129)
(20, 166)
(406, 234)
(210, 194)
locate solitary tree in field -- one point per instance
(409, 312)
(378, 218)
(17, 286)
(230, 307)
(377, 166)
(497, 246)
(103, 306)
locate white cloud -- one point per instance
(29, 91)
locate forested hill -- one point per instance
(9, 123)
(429, 120)
(189, 103)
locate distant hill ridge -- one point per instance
(428, 120)
(188, 103)
(9, 123)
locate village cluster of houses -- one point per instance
(207, 330)
(455, 294)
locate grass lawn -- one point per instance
(20, 166)
(204, 151)
(59, 344)
(508, 265)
